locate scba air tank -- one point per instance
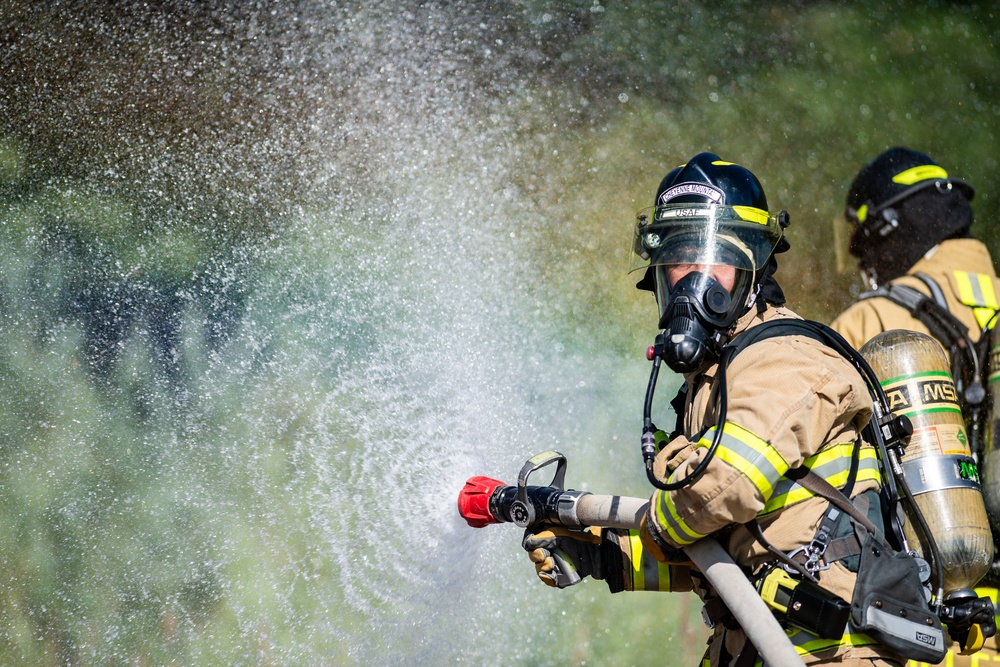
(991, 450)
(937, 462)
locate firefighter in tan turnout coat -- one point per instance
(708, 249)
(910, 229)
(910, 226)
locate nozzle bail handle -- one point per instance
(521, 511)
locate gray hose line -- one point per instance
(711, 560)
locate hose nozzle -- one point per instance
(474, 501)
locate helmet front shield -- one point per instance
(743, 237)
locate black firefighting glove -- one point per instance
(563, 557)
(970, 620)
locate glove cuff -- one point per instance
(654, 543)
(612, 562)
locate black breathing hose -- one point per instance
(648, 434)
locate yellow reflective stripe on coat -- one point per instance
(670, 522)
(832, 464)
(806, 643)
(648, 574)
(976, 291)
(751, 455)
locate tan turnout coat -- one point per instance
(791, 398)
(865, 319)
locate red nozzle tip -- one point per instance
(474, 501)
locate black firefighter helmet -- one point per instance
(901, 205)
(710, 212)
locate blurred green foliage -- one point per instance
(803, 94)
(149, 157)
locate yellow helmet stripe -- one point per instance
(921, 173)
(752, 214)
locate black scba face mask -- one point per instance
(694, 315)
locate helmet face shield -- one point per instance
(704, 234)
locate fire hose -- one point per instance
(484, 501)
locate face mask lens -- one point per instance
(660, 273)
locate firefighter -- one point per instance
(911, 226)
(707, 247)
(910, 231)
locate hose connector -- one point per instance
(648, 446)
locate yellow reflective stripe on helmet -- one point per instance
(921, 173)
(752, 214)
(648, 574)
(832, 464)
(753, 456)
(806, 643)
(976, 290)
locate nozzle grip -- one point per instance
(564, 574)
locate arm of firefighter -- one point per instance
(643, 570)
(564, 557)
(770, 427)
